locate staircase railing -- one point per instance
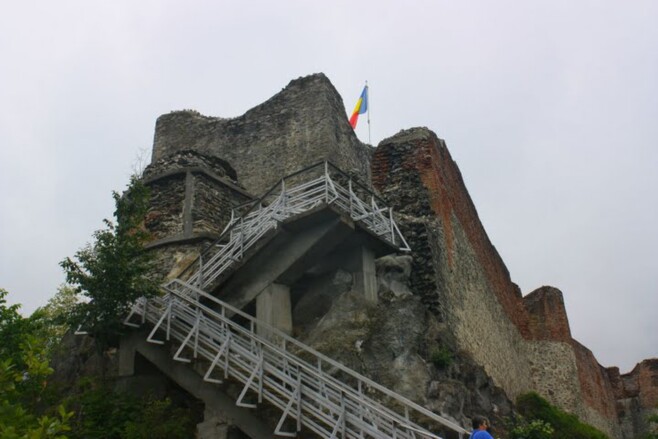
(322, 183)
(312, 390)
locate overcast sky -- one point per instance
(548, 107)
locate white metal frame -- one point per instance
(282, 371)
(276, 206)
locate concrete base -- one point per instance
(216, 401)
(273, 307)
(365, 274)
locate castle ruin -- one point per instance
(334, 282)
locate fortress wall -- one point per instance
(595, 384)
(564, 372)
(473, 293)
(165, 215)
(192, 196)
(555, 374)
(647, 373)
(211, 203)
(637, 395)
(523, 343)
(547, 315)
(303, 124)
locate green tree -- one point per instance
(54, 317)
(14, 329)
(113, 271)
(24, 371)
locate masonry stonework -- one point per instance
(637, 395)
(302, 125)
(192, 196)
(414, 172)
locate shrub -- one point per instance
(566, 426)
(441, 357)
(535, 429)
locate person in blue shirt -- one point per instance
(480, 428)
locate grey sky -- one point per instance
(548, 107)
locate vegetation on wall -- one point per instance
(441, 357)
(538, 416)
(653, 427)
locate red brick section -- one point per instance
(648, 379)
(547, 315)
(596, 388)
(419, 153)
(641, 382)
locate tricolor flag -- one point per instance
(361, 107)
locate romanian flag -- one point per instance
(361, 107)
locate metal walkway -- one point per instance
(312, 391)
(325, 184)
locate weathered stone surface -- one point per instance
(472, 289)
(393, 276)
(192, 196)
(547, 315)
(303, 124)
(314, 297)
(637, 395)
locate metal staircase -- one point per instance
(313, 392)
(298, 193)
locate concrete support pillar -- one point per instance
(273, 307)
(365, 275)
(126, 357)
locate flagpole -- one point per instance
(369, 103)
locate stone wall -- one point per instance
(547, 316)
(637, 395)
(523, 343)
(555, 374)
(303, 124)
(192, 196)
(471, 286)
(165, 215)
(595, 385)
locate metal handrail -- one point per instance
(266, 366)
(243, 231)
